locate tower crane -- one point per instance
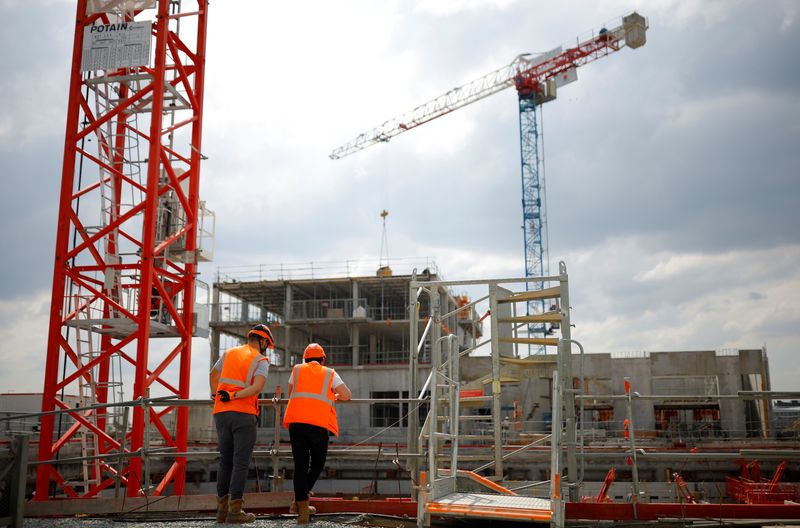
(536, 79)
(130, 234)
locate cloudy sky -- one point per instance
(672, 171)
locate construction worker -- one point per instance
(311, 419)
(236, 381)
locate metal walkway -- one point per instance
(489, 506)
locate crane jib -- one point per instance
(523, 72)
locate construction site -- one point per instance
(474, 400)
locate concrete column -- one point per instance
(216, 313)
(245, 309)
(287, 308)
(287, 342)
(214, 347)
(355, 336)
(373, 344)
(287, 331)
(355, 330)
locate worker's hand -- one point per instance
(276, 399)
(224, 396)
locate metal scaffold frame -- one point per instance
(441, 431)
(126, 245)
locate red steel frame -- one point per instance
(148, 265)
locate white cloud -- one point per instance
(452, 7)
(37, 108)
(24, 322)
(790, 12)
(24, 325)
(687, 15)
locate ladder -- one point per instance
(441, 434)
(86, 353)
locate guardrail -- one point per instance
(328, 309)
(113, 460)
(155, 451)
(384, 357)
(323, 269)
(302, 310)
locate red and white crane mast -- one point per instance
(131, 230)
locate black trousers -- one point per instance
(309, 450)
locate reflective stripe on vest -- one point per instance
(238, 370)
(250, 373)
(311, 395)
(312, 400)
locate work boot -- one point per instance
(293, 508)
(303, 512)
(236, 515)
(222, 508)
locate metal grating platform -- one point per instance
(122, 327)
(484, 505)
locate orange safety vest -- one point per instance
(238, 371)
(312, 397)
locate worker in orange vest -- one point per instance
(236, 381)
(311, 419)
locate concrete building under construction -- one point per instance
(363, 322)
(449, 374)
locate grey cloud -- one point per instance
(626, 159)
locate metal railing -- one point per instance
(237, 311)
(277, 451)
(12, 425)
(389, 312)
(328, 309)
(154, 449)
(630, 354)
(383, 357)
(342, 355)
(323, 269)
(339, 355)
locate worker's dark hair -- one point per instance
(320, 360)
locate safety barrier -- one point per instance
(750, 492)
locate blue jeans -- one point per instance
(236, 433)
